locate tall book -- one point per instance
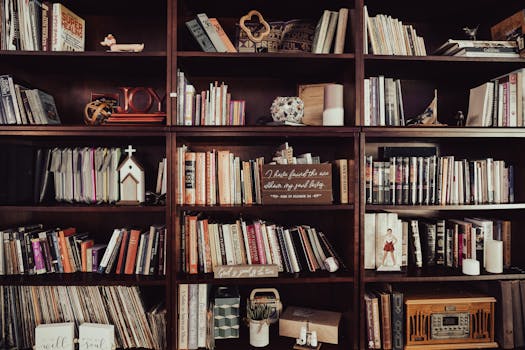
(340, 35)
(211, 32)
(68, 30)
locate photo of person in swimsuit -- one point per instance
(390, 242)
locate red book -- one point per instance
(64, 254)
(252, 244)
(122, 252)
(131, 257)
(260, 243)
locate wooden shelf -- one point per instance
(431, 58)
(273, 207)
(83, 279)
(265, 131)
(83, 130)
(102, 208)
(104, 54)
(438, 274)
(441, 132)
(278, 65)
(284, 278)
(509, 206)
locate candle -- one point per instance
(494, 256)
(333, 114)
(470, 267)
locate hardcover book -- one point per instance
(68, 30)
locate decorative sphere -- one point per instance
(97, 112)
(289, 109)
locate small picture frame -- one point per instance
(389, 244)
(96, 336)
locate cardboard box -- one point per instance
(325, 323)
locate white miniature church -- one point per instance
(132, 188)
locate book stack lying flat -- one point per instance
(478, 48)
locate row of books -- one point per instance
(499, 102)
(34, 26)
(34, 249)
(21, 105)
(383, 102)
(478, 48)
(217, 177)
(434, 180)
(209, 34)
(385, 35)
(195, 324)
(330, 32)
(207, 244)
(22, 308)
(210, 107)
(385, 318)
(392, 243)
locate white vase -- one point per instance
(259, 333)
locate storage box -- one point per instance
(325, 323)
(226, 313)
(297, 184)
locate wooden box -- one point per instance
(325, 323)
(297, 184)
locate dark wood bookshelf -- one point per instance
(283, 278)
(263, 208)
(449, 207)
(264, 131)
(438, 274)
(92, 208)
(84, 130)
(108, 54)
(83, 279)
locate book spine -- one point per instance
(397, 321)
(182, 333)
(40, 266)
(200, 36)
(212, 32)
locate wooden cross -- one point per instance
(130, 150)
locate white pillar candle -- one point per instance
(470, 267)
(333, 114)
(494, 256)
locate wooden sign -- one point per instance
(245, 271)
(95, 336)
(297, 184)
(55, 336)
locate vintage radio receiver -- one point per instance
(451, 322)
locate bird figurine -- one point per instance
(471, 32)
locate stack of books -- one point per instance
(21, 105)
(41, 26)
(478, 48)
(206, 245)
(383, 102)
(385, 35)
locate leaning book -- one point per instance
(69, 30)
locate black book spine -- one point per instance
(183, 221)
(397, 321)
(153, 267)
(221, 243)
(297, 246)
(284, 250)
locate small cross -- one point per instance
(130, 150)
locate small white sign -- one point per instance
(96, 336)
(55, 336)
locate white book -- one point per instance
(202, 315)
(114, 183)
(149, 249)
(139, 262)
(193, 311)
(47, 336)
(366, 105)
(160, 173)
(69, 30)
(228, 246)
(370, 241)
(320, 32)
(311, 233)
(479, 105)
(236, 244)
(381, 89)
(163, 187)
(246, 245)
(330, 31)
(274, 247)
(101, 336)
(182, 328)
(109, 250)
(209, 28)
(266, 244)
